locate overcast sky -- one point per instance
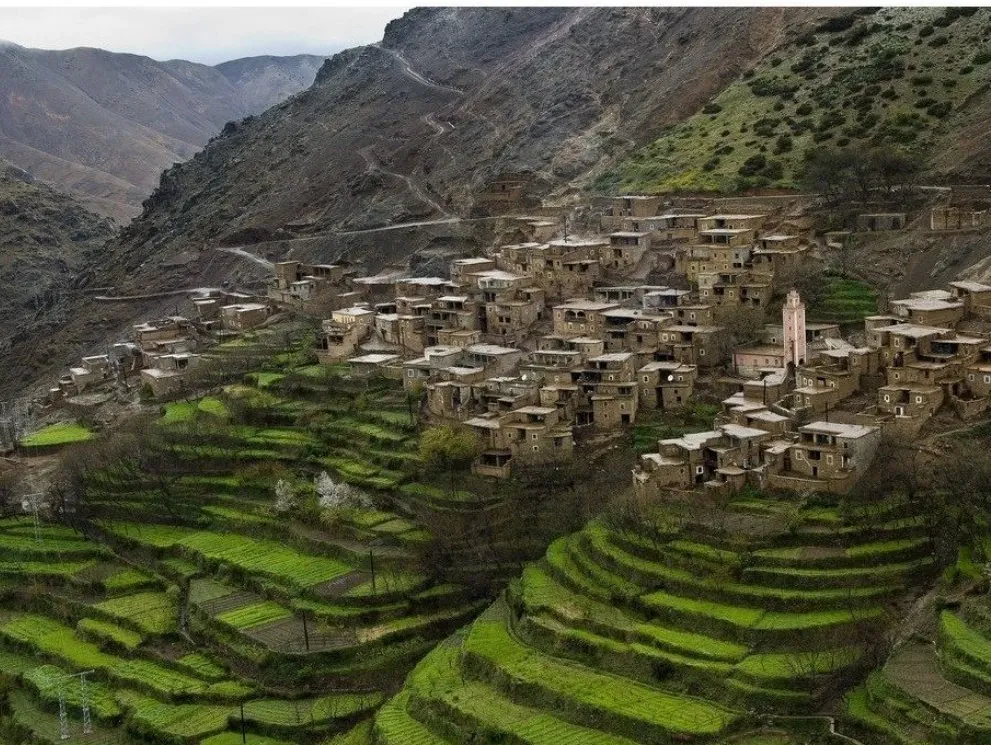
(208, 35)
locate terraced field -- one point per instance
(632, 634)
(196, 601)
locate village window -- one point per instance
(887, 398)
(409, 373)
(536, 449)
(799, 455)
(970, 376)
(622, 406)
(987, 378)
(533, 436)
(699, 470)
(646, 379)
(829, 459)
(918, 399)
(701, 353)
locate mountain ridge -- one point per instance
(102, 125)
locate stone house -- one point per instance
(718, 459)
(827, 456)
(727, 291)
(975, 296)
(243, 316)
(530, 435)
(732, 222)
(625, 251)
(167, 373)
(580, 317)
(695, 345)
(881, 221)
(463, 271)
(665, 385)
(622, 209)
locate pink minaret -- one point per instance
(793, 320)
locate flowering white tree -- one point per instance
(285, 497)
(333, 494)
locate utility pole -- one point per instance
(32, 503)
(84, 702)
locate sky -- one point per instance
(207, 35)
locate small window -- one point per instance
(699, 470)
(646, 379)
(701, 353)
(970, 376)
(799, 455)
(918, 399)
(536, 449)
(887, 398)
(533, 436)
(987, 378)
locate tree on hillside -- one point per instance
(857, 176)
(448, 448)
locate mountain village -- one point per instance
(556, 343)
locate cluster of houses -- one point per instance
(162, 352)
(540, 342)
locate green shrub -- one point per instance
(711, 108)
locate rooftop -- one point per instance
(840, 430)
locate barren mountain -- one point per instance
(103, 125)
(49, 245)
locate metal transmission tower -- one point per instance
(32, 503)
(84, 703)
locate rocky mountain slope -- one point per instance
(102, 125)
(49, 245)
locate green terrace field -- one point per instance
(935, 689)
(54, 435)
(683, 626)
(194, 592)
(895, 77)
(845, 301)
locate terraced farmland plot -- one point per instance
(299, 713)
(62, 643)
(185, 721)
(149, 612)
(254, 555)
(489, 639)
(256, 614)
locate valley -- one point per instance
(536, 376)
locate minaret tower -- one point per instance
(793, 320)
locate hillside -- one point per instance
(49, 247)
(913, 78)
(102, 125)
(399, 132)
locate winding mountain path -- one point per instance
(239, 251)
(414, 75)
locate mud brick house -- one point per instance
(167, 373)
(881, 221)
(665, 385)
(243, 316)
(625, 251)
(530, 435)
(827, 457)
(580, 317)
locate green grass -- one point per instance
(186, 721)
(256, 614)
(395, 726)
(596, 692)
(151, 612)
(201, 665)
(437, 678)
(185, 411)
(845, 301)
(64, 433)
(254, 555)
(49, 681)
(61, 642)
(234, 738)
(830, 89)
(305, 711)
(126, 638)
